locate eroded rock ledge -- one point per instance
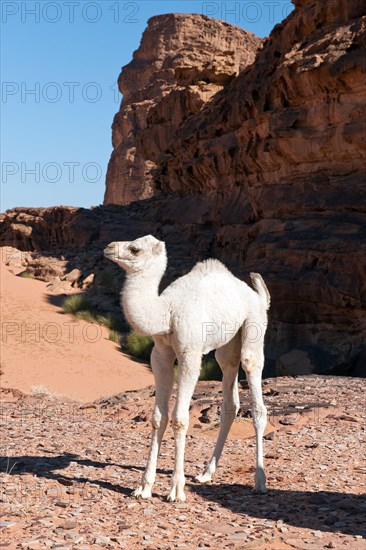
(182, 62)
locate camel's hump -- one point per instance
(208, 267)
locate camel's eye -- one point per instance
(134, 250)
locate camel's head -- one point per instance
(139, 255)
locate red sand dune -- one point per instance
(41, 346)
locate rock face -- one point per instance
(289, 126)
(182, 62)
(275, 164)
(266, 174)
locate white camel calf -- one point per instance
(204, 310)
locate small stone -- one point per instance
(54, 492)
(271, 456)
(102, 540)
(7, 524)
(74, 537)
(289, 420)
(72, 276)
(122, 525)
(88, 281)
(237, 536)
(64, 481)
(61, 504)
(68, 525)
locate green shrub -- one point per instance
(26, 275)
(88, 316)
(79, 306)
(115, 336)
(139, 346)
(76, 303)
(210, 369)
(115, 322)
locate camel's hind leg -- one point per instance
(252, 359)
(228, 358)
(162, 359)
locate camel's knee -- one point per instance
(159, 420)
(180, 423)
(251, 361)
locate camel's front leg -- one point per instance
(162, 360)
(189, 369)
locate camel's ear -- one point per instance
(158, 248)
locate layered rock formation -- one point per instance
(276, 162)
(182, 62)
(295, 116)
(267, 174)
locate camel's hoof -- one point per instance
(142, 492)
(204, 478)
(260, 490)
(176, 496)
(260, 482)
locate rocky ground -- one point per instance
(68, 469)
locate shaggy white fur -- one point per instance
(204, 310)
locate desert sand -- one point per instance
(44, 349)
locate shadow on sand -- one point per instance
(323, 510)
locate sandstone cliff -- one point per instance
(183, 60)
(275, 164)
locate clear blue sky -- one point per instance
(60, 61)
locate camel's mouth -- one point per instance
(110, 254)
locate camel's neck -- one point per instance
(143, 307)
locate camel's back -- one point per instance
(210, 291)
(207, 306)
(203, 279)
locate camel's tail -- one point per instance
(260, 287)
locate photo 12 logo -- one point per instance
(241, 13)
(51, 332)
(69, 11)
(54, 92)
(51, 172)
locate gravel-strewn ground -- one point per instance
(68, 469)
